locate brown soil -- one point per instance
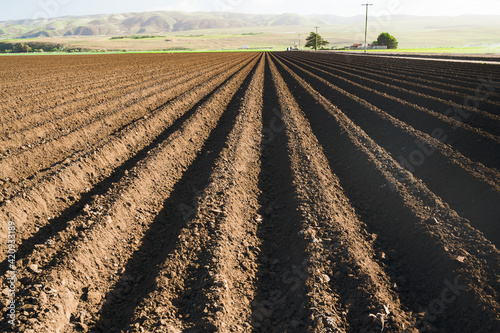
(279, 192)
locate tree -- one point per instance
(384, 39)
(311, 41)
(22, 47)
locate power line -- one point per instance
(366, 21)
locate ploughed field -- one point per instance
(239, 192)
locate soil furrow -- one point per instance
(114, 91)
(103, 72)
(70, 180)
(47, 232)
(64, 95)
(281, 302)
(213, 289)
(340, 257)
(233, 191)
(466, 139)
(442, 92)
(124, 217)
(459, 109)
(412, 76)
(28, 162)
(440, 247)
(29, 67)
(446, 172)
(463, 73)
(248, 192)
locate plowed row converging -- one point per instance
(279, 192)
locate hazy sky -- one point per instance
(52, 8)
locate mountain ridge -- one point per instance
(157, 22)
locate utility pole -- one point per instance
(299, 41)
(316, 46)
(366, 22)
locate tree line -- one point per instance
(25, 47)
(315, 41)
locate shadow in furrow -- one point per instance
(161, 239)
(58, 224)
(280, 303)
(414, 261)
(444, 93)
(471, 197)
(469, 142)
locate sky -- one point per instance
(28, 9)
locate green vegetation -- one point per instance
(315, 40)
(137, 37)
(178, 48)
(384, 39)
(189, 35)
(33, 46)
(145, 36)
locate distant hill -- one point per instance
(468, 28)
(144, 23)
(155, 22)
